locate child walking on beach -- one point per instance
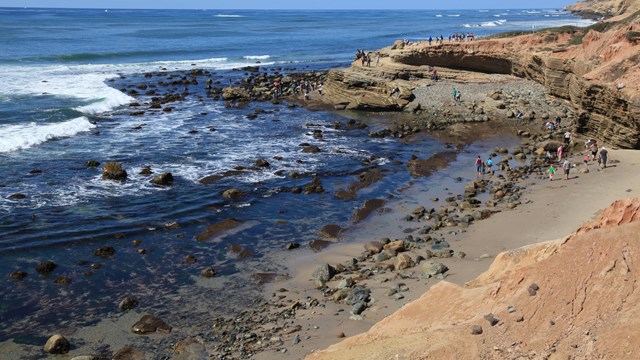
(552, 171)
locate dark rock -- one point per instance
(216, 228)
(146, 171)
(128, 353)
(62, 280)
(208, 272)
(262, 163)
(46, 267)
(17, 275)
(292, 246)
(317, 245)
(92, 164)
(314, 187)
(149, 324)
(104, 251)
(17, 196)
(189, 259)
(358, 308)
(324, 273)
(491, 319)
(57, 344)
(476, 330)
(331, 231)
(113, 171)
(165, 179)
(127, 303)
(369, 206)
(358, 295)
(311, 149)
(232, 194)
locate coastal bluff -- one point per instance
(593, 69)
(573, 297)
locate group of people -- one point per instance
(601, 155)
(483, 167)
(367, 57)
(297, 87)
(457, 95)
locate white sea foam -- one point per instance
(228, 16)
(454, 15)
(438, 15)
(256, 57)
(15, 137)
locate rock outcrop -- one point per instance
(570, 298)
(595, 69)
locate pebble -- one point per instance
(476, 330)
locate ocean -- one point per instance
(62, 72)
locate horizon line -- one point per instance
(287, 9)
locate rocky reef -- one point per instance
(593, 69)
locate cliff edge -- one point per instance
(571, 298)
(595, 69)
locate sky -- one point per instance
(289, 4)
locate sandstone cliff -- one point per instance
(572, 298)
(606, 9)
(595, 69)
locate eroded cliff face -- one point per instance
(597, 72)
(604, 8)
(575, 298)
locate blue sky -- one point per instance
(289, 4)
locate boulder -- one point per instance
(208, 272)
(374, 246)
(395, 247)
(262, 163)
(104, 251)
(324, 273)
(235, 94)
(46, 267)
(92, 164)
(164, 179)
(127, 303)
(434, 268)
(150, 324)
(403, 261)
(232, 194)
(113, 171)
(57, 344)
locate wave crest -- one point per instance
(24, 136)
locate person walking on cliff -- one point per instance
(455, 93)
(377, 59)
(567, 137)
(458, 96)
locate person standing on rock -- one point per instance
(490, 165)
(567, 137)
(479, 165)
(455, 92)
(377, 59)
(458, 96)
(603, 157)
(566, 165)
(560, 150)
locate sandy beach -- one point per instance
(550, 210)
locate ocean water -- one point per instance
(61, 104)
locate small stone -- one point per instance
(358, 308)
(511, 309)
(208, 272)
(341, 335)
(57, 344)
(46, 267)
(491, 319)
(476, 330)
(104, 251)
(17, 275)
(189, 259)
(520, 319)
(127, 303)
(292, 246)
(150, 324)
(62, 280)
(398, 296)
